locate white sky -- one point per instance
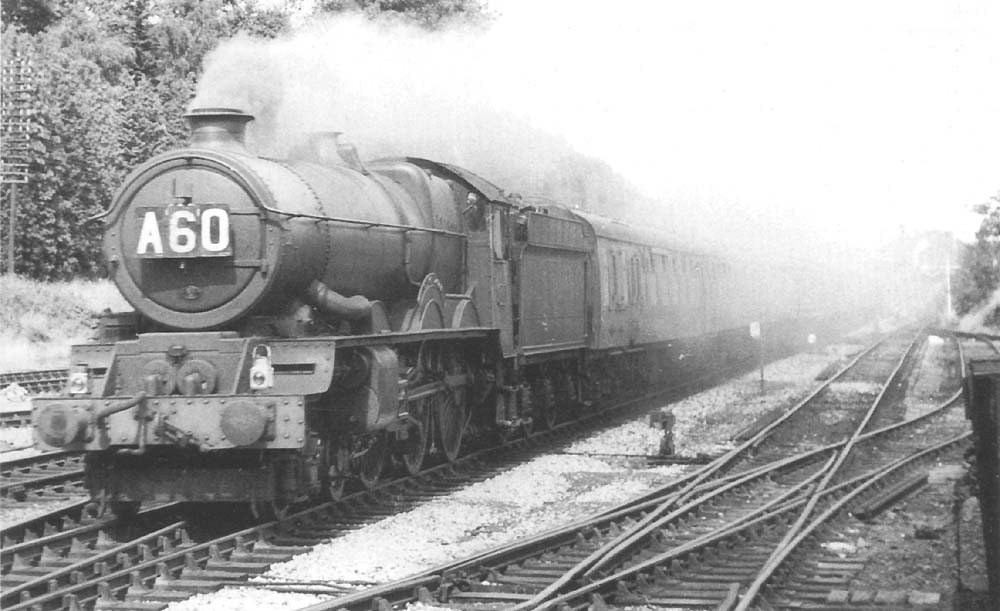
(857, 117)
(881, 111)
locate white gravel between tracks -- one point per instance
(593, 475)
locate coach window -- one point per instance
(672, 285)
(681, 282)
(679, 274)
(660, 276)
(612, 279)
(627, 277)
(639, 292)
(610, 293)
(644, 295)
(633, 280)
(637, 274)
(622, 279)
(688, 279)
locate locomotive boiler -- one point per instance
(203, 237)
(227, 383)
(302, 324)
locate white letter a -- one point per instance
(149, 235)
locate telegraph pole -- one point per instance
(16, 127)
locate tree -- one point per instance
(114, 78)
(31, 16)
(76, 154)
(978, 279)
(430, 14)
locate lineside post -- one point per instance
(756, 334)
(12, 228)
(16, 127)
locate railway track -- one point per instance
(729, 567)
(67, 516)
(36, 565)
(51, 474)
(529, 574)
(508, 577)
(174, 566)
(835, 409)
(21, 417)
(44, 380)
(179, 567)
(34, 382)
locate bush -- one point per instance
(39, 321)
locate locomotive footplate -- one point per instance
(203, 423)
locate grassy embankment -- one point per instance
(39, 321)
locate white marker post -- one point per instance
(755, 333)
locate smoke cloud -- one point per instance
(396, 90)
(516, 103)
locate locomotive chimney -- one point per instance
(218, 127)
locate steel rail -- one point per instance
(421, 584)
(22, 475)
(42, 380)
(793, 542)
(116, 555)
(168, 563)
(780, 552)
(20, 417)
(84, 531)
(632, 537)
(856, 486)
(403, 590)
(241, 543)
(40, 526)
(563, 535)
(654, 498)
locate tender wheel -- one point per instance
(450, 418)
(368, 459)
(414, 448)
(545, 411)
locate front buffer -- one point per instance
(211, 416)
(218, 448)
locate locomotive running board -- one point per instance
(406, 337)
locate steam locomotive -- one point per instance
(303, 323)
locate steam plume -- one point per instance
(396, 90)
